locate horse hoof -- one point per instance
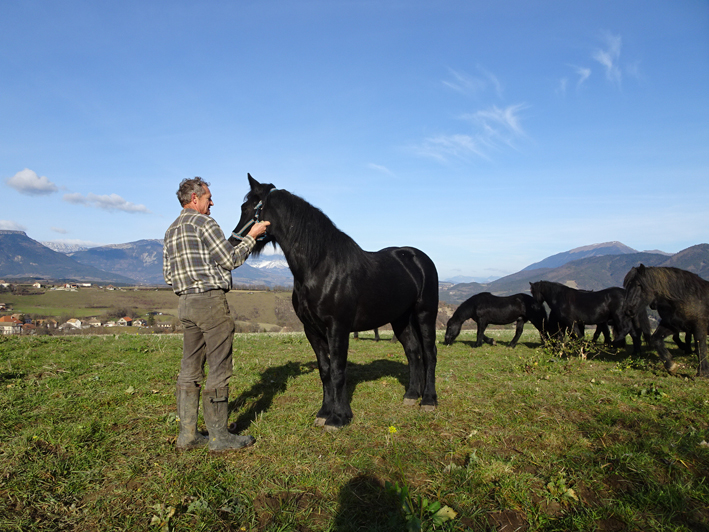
(671, 368)
(428, 408)
(410, 402)
(331, 429)
(319, 421)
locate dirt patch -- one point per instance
(508, 521)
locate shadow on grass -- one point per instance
(363, 504)
(274, 381)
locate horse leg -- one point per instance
(322, 353)
(700, 338)
(482, 325)
(338, 338)
(404, 330)
(578, 330)
(658, 339)
(427, 338)
(376, 335)
(518, 332)
(685, 346)
(596, 334)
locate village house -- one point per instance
(10, 325)
(71, 323)
(125, 321)
(94, 322)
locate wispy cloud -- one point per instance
(29, 183)
(444, 147)
(493, 128)
(59, 230)
(609, 56)
(583, 73)
(473, 85)
(9, 225)
(110, 202)
(380, 168)
(499, 123)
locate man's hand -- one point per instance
(258, 229)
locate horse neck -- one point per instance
(305, 234)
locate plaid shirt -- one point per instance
(196, 256)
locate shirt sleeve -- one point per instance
(223, 253)
(166, 272)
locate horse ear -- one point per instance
(641, 268)
(252, 182)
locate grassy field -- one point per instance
(524, 439)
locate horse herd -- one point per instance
(681, 298)
(339, 288)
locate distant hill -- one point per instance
(22, 258)
(140, 260)
(594, 250)
(591, 273)
(63, 247)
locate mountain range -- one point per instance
(591, 272)
(590, 267)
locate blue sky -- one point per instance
(488, 134)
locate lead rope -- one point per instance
(239, 235)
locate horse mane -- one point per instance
(669, 283)
(309, 229)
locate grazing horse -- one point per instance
(681, 298)
(570, 310)
(486, 309)
(338, 288)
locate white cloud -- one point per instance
(109, 202)
(467, 84)
(444, 146)
(497, 121)
(583, 74)
(609, 56)
(59, 230)
(563, 82)
(9, 225)
(28, 182)
(380, 168)
(493, 128)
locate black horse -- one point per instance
(570, 310)
(681, 298)
(486, 309)
(338, 288)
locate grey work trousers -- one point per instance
(208, 337)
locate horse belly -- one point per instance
(379, 305)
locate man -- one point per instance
(197, 262)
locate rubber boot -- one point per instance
(215, 405)
(187, 408)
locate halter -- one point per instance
(239, 235)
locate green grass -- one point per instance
(521, 437)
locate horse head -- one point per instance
(536, 289)
(635, 292)
(253, 210)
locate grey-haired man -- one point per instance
(197, 262)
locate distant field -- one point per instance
(265, 309)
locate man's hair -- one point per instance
(188, 186)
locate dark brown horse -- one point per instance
(681, 298)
